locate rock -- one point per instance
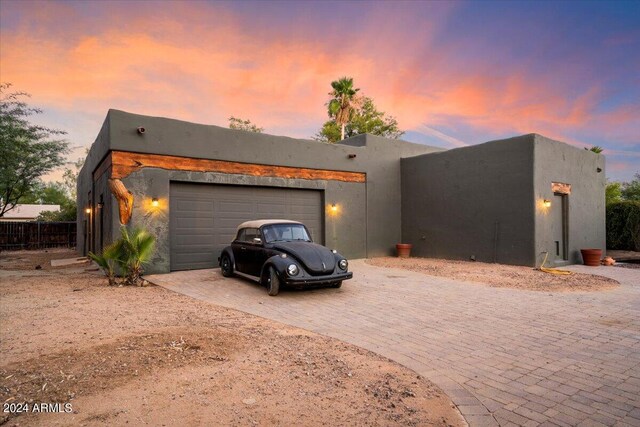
(249, 401)
(608, 261)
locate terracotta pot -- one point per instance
(591, 257)
(404, 250)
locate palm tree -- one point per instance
(138, 246)
(596, 149)
(341, 107)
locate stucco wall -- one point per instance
(156, 182)
(555, 161)
(472, 201)
(99, 149)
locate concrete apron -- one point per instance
(501, 355)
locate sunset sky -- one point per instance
(452, 73)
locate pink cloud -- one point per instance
(202, 63)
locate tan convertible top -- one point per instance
(257, 223)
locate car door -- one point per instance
(252, 251)
(239, 248)
(260, 254)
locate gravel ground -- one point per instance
(499, 275)
(130, 355)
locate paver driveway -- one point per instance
(503, 356)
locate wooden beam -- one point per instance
(125, 199)
(560, 188)
(103, 167)
(124, 163)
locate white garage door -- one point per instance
(204, 217)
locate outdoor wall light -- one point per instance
(334, 208)
(88, 210)
(547, 203)
(352, 156)
(154, 202)
(100, 205)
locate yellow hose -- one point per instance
(553, 270)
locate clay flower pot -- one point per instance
(404, 250)
(591, 257)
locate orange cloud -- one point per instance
(202, 63)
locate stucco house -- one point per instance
(506, 201)
(28, 212)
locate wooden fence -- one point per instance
(36, 235)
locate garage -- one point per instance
(204, 217)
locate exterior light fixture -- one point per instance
(154, 202)
(334, 208)
(100, 205)
(88, 210)
(141, 130)
(547, 203)
(352, 156)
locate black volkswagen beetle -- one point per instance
(279, 252)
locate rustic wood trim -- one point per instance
(103, 167)
(125, 199)
(560, 188)
(124, 163)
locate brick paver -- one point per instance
(503, 356)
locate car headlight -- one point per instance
(293, 270)
(343, 264)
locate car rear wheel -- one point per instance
(336, 284)
(273, 282)
(226, 266)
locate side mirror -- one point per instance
(257, 240)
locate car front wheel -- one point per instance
(273, 282)
(226, 266)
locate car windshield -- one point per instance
(285, 233)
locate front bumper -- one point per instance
(315, 280)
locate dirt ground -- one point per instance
(499, 275)
(130, 355)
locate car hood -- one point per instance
(316, 259)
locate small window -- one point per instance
(247, 235)
(250, 234)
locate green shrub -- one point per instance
(126, 256)
(623, 225)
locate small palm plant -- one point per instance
(138, 246)
(126, 256)
(108, 260)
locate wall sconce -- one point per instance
(100, 205)
(546, 203)
(352, 156)
(87, 211)
(154, 202)
(334, 208)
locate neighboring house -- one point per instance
(28, 212)
(190, 185)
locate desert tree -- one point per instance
(27, 150)
(240, 124)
